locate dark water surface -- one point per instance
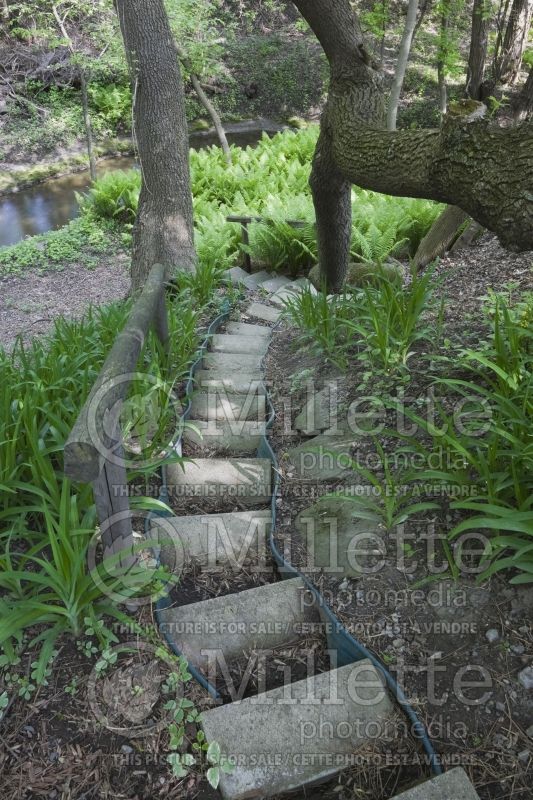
(49, 205)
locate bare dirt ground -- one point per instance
(29, 303)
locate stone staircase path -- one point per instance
(275, 734)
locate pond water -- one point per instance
(49, 205)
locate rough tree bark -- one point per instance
(471, 163)
(509, 58)
(401, 64)
(163, 231)
(481, 21)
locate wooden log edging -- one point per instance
(94, 452)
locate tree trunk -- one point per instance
(440, 236)
(163, 231)
(442, 57)
(84, 98)
(507, 65)
(470, 162)
(207, 104)
(87, 123)
(401, 64)
(524, 105)
(356, 87)
(478, 49)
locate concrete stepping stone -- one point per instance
(217, 404)
(254, 281)
(451, 785)
(273, 284)
(229, 343)
(305, 283)
(322, 458)
(280, 297)
(261, 618)
(214, 540)
(262, 311)
(245, 481)
(245, 329)
(233, 362)
(236, 275)
(316, 416)
(237, 437)
(336, 541)
(301, 733)
(236, 383)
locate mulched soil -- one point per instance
(29, 303)
(426, 636)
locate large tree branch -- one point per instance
(481, 167)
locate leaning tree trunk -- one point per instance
(479, 40)
(509, 59)
(207, 104)
(469, 162)
(163, 231)
(401, 64)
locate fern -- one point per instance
(271, 180)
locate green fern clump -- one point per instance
(271, 180)
(114, 196)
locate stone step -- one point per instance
(248, 345)
(214, 540)
(273, 284)
(236, 275)
(283, 294)
(218, 404)
(301, 733)
(239, 481)
(237, 437)
(261, 618)
(233, 362)
(451, 785)
(238, 384)
(245, 329)
(255, 280)
(262, 311)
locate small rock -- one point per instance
(526, 677)
(29, 730)
(523, 629)
(344, 585)
(397, 643)
(499, 706)
(492, 635)
(126, 749)
(517, 649)
(530, 731)
(524, 756)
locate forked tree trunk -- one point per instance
(470, 162)
(401, 64)
(509, 58)
(481, 20)
(163, 231)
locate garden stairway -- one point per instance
(300, 731)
